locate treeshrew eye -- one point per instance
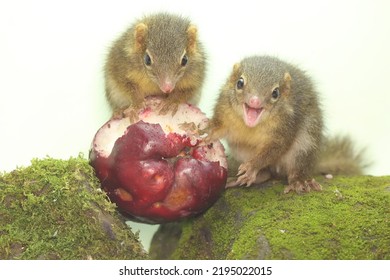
(184, 60)
(240, 83)
(148, 60)
(275, 93)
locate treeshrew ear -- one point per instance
(192, 34)
(236, 73)
(139, 36)
(286, 86)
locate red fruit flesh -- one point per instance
(157, 176)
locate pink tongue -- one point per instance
(251, 116)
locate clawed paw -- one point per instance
(189, 127)
(231, 182)
(209, 138)
(246, 174)
(168, 107)
(132, 114)
(303, 186)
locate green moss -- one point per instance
(349, 219)
(55, 209)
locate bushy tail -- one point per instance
(339, 156)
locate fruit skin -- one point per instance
(157, 177)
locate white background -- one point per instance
(281, 270)
(52, 55)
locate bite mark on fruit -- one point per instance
(157, 170)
